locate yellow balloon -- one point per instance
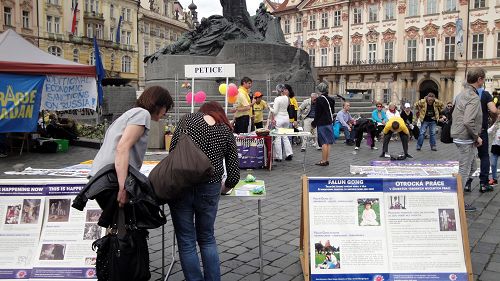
(222, 88)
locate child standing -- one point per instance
(495, 150)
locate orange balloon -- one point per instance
(231, 99)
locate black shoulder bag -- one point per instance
(123, 256)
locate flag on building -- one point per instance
(99, 71)
(73, 23)
(118, 31)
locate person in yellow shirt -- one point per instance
(395, 125)
(243, 107)
(258, 109)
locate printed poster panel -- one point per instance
(21, 216)
(19, 102)
(385, 229)
(65, 247)
(69, 92)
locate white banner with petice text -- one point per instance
(69, 92)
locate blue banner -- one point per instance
(20, 97)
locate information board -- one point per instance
(384, 229)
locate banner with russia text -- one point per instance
(69, 92)
(20, 97)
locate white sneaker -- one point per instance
(356, 148)
(374, 148)
(387, 155)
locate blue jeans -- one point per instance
(193, 217)
(494, 160)
(432, 133)
(347, 133)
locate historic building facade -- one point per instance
(115, 24)
(395, 50)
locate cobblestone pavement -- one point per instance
(236, 226)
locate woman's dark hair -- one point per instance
(291, 94)
(154, 98)
(215, 110)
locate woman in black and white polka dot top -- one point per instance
(193, 215)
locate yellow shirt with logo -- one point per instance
(258, 109)
(242, 100)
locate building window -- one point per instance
(56, 51)
(356, 54)
(324, 20)
(90, 31)
(498, 45)
(26, 19)
(287, 26)
(76, 55)
(126, 64)
(57, 25)
(312, 57)
(7, 16)
(386, 98)
(165, 8)
(98, 31)
(431, 6)
(126, 14)
(324, 56)
(449, 48)
(430, 49)
(53, 2)
(337, 18)
(146, 48)
(92, 57)
(413, 8)
(411, 50)
(336, 55)
(389, 10)
(479, 4)
(477, 46)
(373, 13)
(372, 52)
(388, 52)
(451, 5)
(49, 24)
(112, 11)
(357, 15)
(112, 34)
(312, 22)
(128, 37)
(298, 24)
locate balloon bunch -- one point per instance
(232, 91)
(199, 97)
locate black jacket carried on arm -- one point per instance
(103, 187)
(322, 116)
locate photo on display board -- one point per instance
(12, 215)
(59, 210)
(93, 215)
(92, 231)
(397, 202)
(90, 261)
(30, 211)
(447, 221)
(52, 252)
(368, 212)
(327, 255)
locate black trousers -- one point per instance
(484, 158)
(402, 136)
(359, 138)
(241, 124)
(259, 125)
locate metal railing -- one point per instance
(383, 66)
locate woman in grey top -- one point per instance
(126, 140)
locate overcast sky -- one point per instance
(207, 8)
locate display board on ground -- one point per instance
(384, 229)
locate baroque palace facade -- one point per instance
(144, 27)
(395, 50)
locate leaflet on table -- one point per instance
(65, 248)
(378, 229)
(20, 225)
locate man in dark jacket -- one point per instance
(487, 107)
(323, 119)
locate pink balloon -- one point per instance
(200, 97)
(189, 97)
(232, 90)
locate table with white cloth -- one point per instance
(276, 133)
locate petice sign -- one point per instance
(209, 70)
